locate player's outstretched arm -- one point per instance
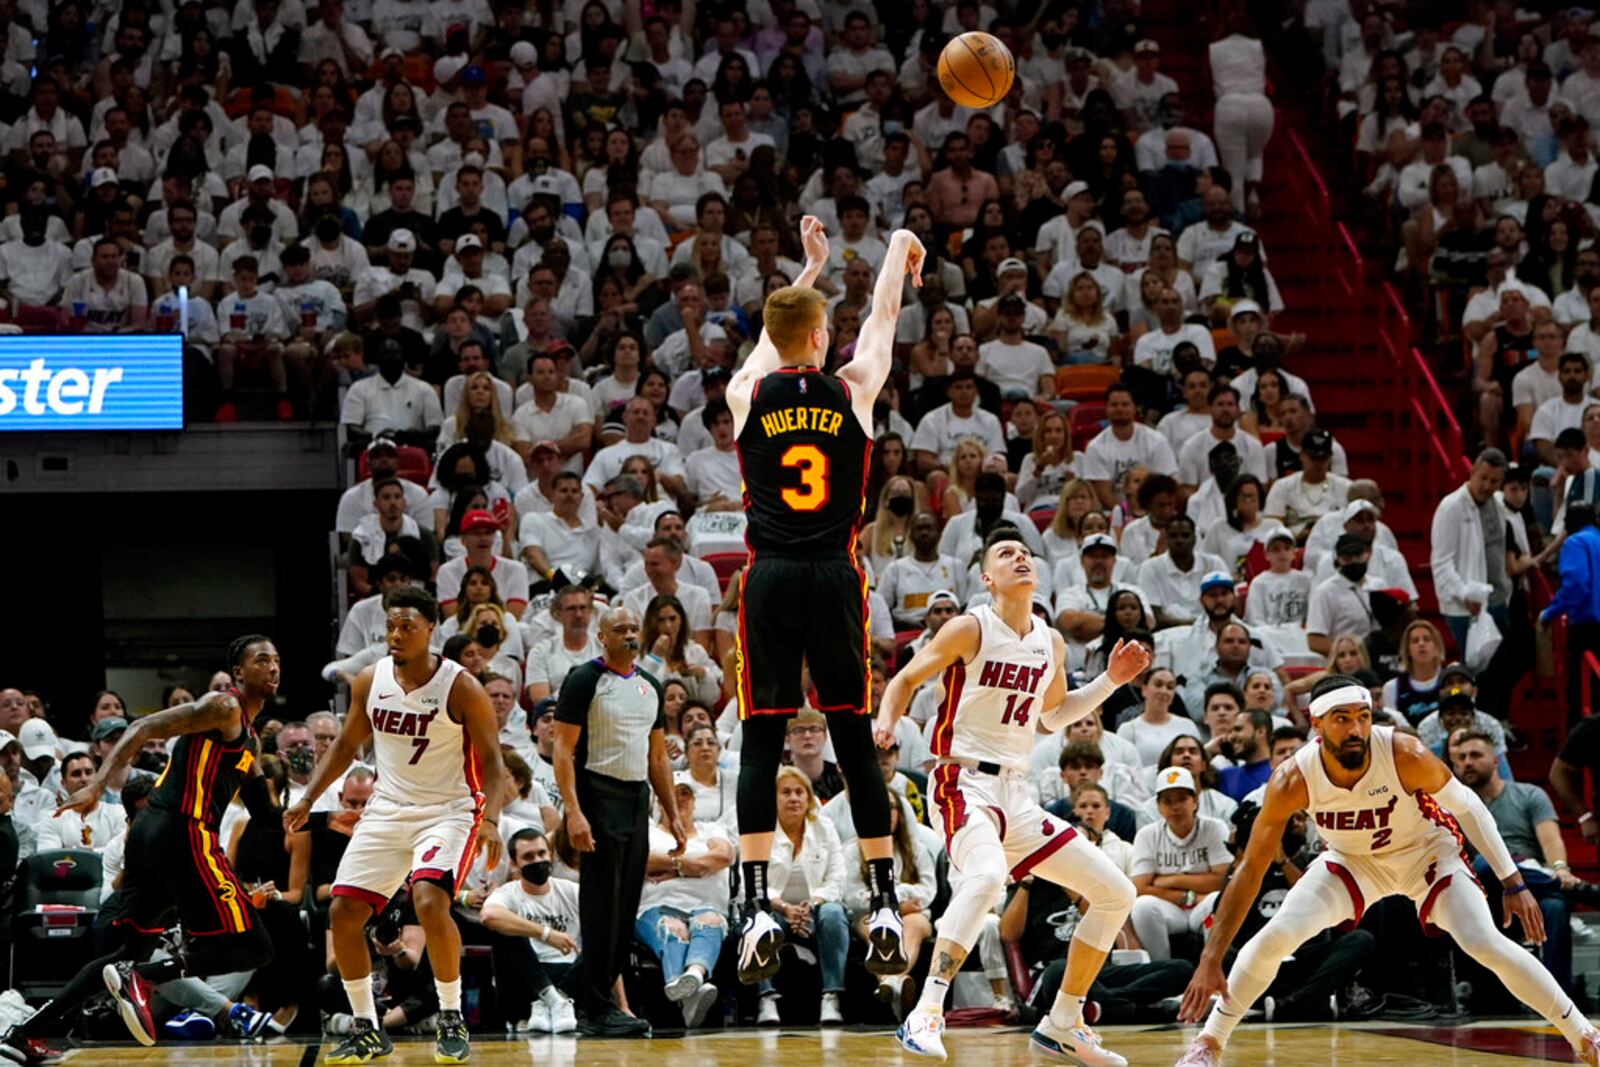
(1128, 660)
(957, 640)
(355, 734)
(213, 711)
(763, 359)
(1286, 794)
(869, 367)
(1420, 770)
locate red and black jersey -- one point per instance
(204, 773)
(803, 457)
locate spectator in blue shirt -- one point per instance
(1251, 742)
(1578, 598)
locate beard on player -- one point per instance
(1351, 752)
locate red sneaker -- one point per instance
(227, 412)
(132, 994)
(285, 411)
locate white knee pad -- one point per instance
(983, 883)
(1110, 903)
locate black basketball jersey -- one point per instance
(204, 773)
(803, 457)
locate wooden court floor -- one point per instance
(1351, 1045)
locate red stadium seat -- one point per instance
(1088, 419)
(415, 465)
(34, 318)
(726, 564)
(1043, 518)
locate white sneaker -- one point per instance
(1005, 1004)
(696, 1007)
(923, 1034)
(1079, 1045)
(768, 1013)
(759, 942)
(682, 987)
(829, 1015)
(539, 1018)
(563, 1019)
(885, 954)
(1202, 1053)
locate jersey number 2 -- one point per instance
(1017, 713)
(812, 463)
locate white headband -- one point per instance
(1349, 694)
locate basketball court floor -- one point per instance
(1346, 1045)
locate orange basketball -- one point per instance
(976, 70)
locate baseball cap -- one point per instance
(1356, 507)
(714, 374)
(447, 67)
(523, 54)
(402, 240)
(382, 444)
(545, 183)
(1318, 444)
(943, 596)
(102, 176)
(7, 739)
(1216, 580)
(1075, 189)
(478, 519)
(1145, 47)
(548, 704)
(1278, 533)
(1011, 302)
(1010, 264)
(467, 241)
(1244, 307)
(38, 739)
(1175, 778)
(559, 346)
(1351, 545)
(1098, 540)
(391, 53)
(260, 173)
(106, 727)
(1457, 670)
(473, 75)
(1456, 694)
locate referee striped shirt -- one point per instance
(616, 714)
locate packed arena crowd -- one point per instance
(516, 251)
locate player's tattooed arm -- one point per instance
(214, 711)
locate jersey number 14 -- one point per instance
(1015, 712)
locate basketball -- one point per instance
(976, 70)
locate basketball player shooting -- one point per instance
(436, 746)
(1392, 815)
(804, 437)
(1003, 682)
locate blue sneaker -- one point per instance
(247, 1024)
(189, 1026)
(923, 1034)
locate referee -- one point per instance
(610, 741)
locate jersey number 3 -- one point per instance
(812, 463)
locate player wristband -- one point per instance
(1587, 816)
(1513, 890)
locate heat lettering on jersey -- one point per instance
(1368, 819)
(402, 723)
(1018, 676)
(789, 420)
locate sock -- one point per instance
(933, 994)
(362, 1005)
(1067, 1011)
(1220, 1023)
(755, 884)
(550, 998)
(883, 895)
(449, 994)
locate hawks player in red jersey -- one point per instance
(804, 437)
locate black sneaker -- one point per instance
(612, 1022)
(28, 1051)
(366, 1042)
(759, 942)
(451, 1043)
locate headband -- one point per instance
(1348, 694)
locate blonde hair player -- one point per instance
(1004, 683)
(1392, 815)
(804, 438)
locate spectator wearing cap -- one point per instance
(398, 205)
(1190, 647)
(1468, 549)
(1326, 530)
(1084, 586)
(938, 432)
(705, 384)
(1140, 90)
(397, 272)
(1577, 599)
(1241, 275)
(1386, 568)
(468, 267)
(1021, 368)
(1179, 863)
(552, 415)
(478, 531)
(1279, 595)
(260, 192)
(1341, 603)
(1011, 279)
(38, 777)
(1171, 579)
(1457, 710)
(1298, 419)
(1125, 443)
(1297, 500)
(1057, 239)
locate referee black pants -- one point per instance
(610, 880)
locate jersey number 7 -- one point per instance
(812, 463)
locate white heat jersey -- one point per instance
(990, 704)
(421, 754)
(1376, 817)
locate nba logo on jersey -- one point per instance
(802, 387)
